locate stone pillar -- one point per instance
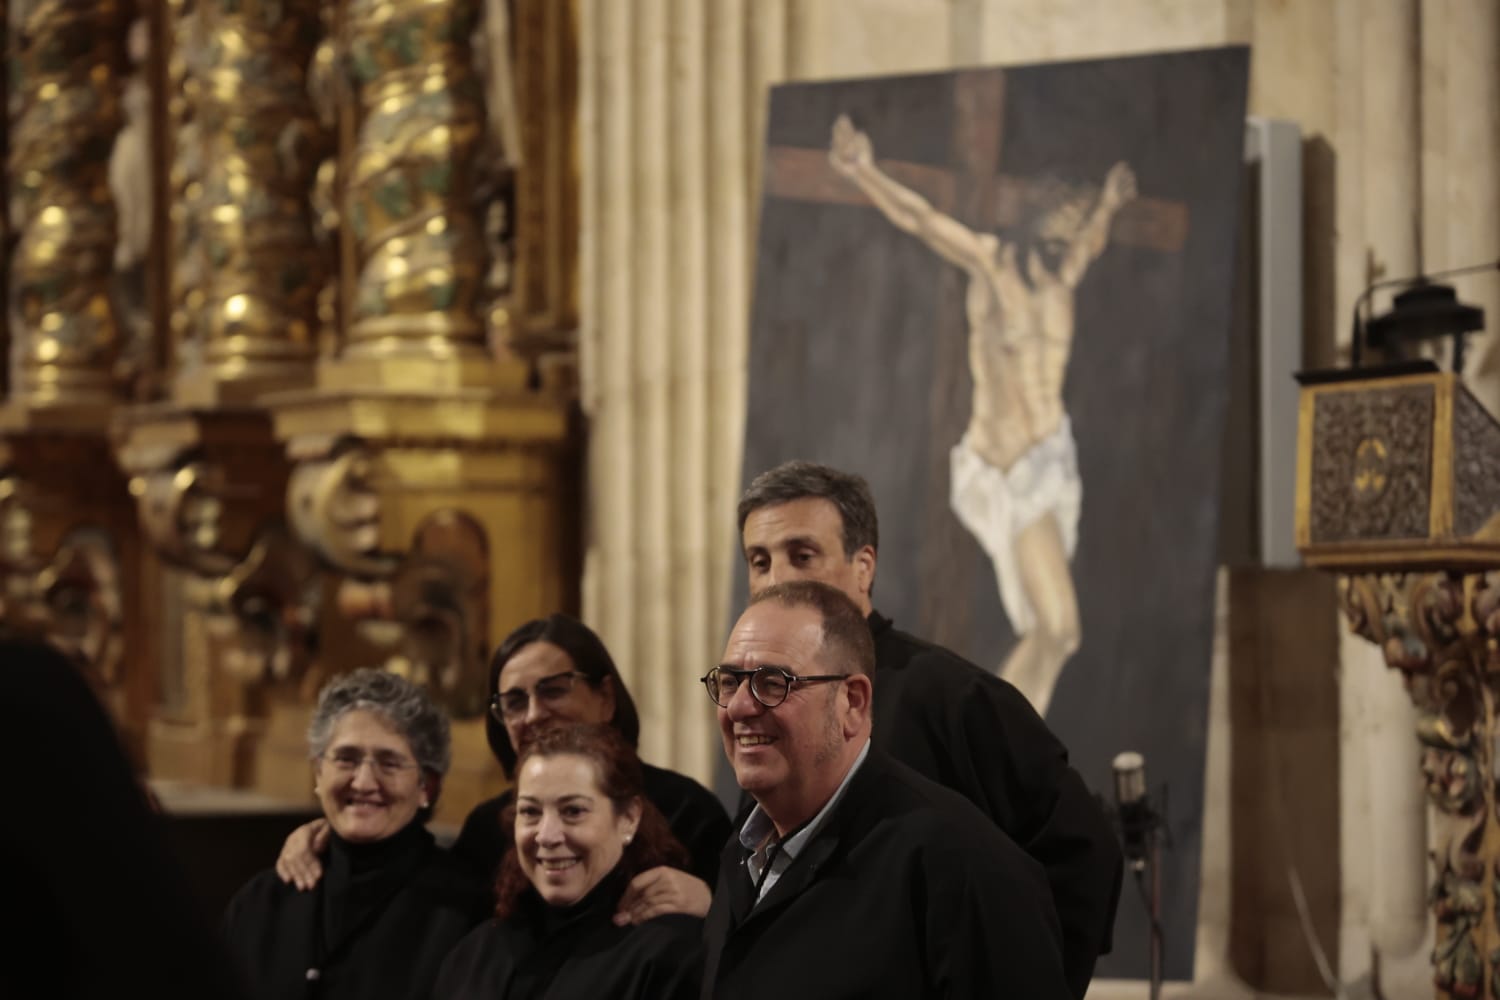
(1460, 138)
(1378, 208)
(671, 114)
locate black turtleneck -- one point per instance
(376, 928)
(363, 878)
(552, 952)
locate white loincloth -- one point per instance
(998, 506)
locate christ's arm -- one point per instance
(852, 156)
(1119, 188)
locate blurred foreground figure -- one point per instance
(95, 905)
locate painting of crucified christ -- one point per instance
(1014, 474)
(1003, 296)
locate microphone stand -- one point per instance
(1143, 834)
(1155, 834)
(1157, 943)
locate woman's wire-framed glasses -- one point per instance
(386, 762)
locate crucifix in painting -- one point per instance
(1013, 477)
(962, 279)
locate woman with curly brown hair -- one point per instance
(583, 829)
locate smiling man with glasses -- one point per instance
(938, 713)
(847, 852)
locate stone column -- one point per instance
(1460, 138)
(1384, 849)
(670, 120)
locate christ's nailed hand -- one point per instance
(849, 148)
(1119, 185)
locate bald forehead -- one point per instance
(772, 633)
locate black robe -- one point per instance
(975, 733)
(906, 891)
(545, 953)
(95, 902)
(695, 816)
(377, 927)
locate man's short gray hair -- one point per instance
(398, 701)
(798, 480)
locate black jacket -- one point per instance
(976, 734)
(906, 892)
(377, 927)
(96, 903)
(695, 816)
(542, 953)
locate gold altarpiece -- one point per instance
(291, 319)
(1399, 494)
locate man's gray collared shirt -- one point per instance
(758, 836)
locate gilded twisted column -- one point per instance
(188, 275)
(249, 145)
(419, 253)
(1440, 630)
(65, 57)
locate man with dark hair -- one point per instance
(939, 714)
(846, 851)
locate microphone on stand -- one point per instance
(1134, 809)
(1141, 831)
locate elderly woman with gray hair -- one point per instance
(391, 903)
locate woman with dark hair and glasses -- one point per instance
(556, 670)
(583, 830)
(392, 903)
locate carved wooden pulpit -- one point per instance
(1398, 492)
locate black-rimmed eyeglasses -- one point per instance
(507, 706)
(768, 685)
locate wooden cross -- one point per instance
(796, 174)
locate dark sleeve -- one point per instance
(989, 927)
(252, 926)
(675, 970)
(93, 879)
(481, 844)
(1011, 765)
